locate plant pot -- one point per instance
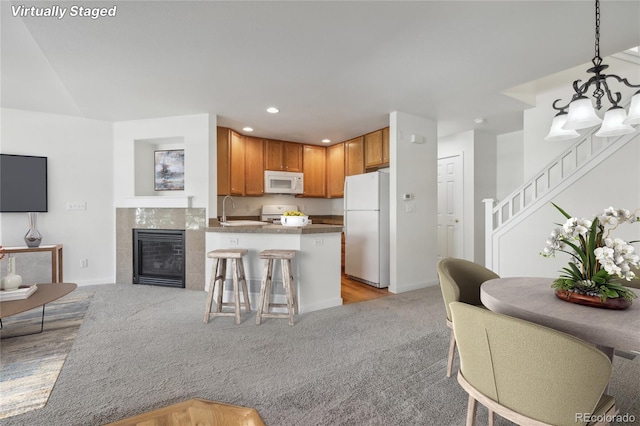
(294, 220)
(594, 301)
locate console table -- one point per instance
(56, 258)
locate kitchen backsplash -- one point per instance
(251, 206)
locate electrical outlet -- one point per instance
(76, 205)
(84, 263)
(233, 241)
(410, 207)
(318, 242)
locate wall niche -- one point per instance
(144, 174)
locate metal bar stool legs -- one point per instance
(265, 304)
(218, 275)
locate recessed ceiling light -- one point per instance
(326, 140)
(479, 121)
(248, 129)
(273, 110)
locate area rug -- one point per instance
(30, 365)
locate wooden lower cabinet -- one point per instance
(314, 169)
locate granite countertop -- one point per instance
(276, 229)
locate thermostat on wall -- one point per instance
(407, 197)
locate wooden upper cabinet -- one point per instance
(354, 156)
(335, 171)
(284, 156)
(292, 155)
(237, 164)
(373, 149)
(254, 166)
(223, 163)
(376, 149)
(314, 169)
(385, 146)
(230, 162)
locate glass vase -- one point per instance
(33, 237)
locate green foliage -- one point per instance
(585, 274)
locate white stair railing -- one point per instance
(568, 167)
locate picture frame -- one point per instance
(168, 170)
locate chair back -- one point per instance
(460, 281)
(536, 371)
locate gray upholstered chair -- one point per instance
(527, 373)
(460, 281)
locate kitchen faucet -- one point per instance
(224, 209)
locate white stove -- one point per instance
(272, 212)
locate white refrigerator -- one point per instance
(366, 225)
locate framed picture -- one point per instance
(169, 170)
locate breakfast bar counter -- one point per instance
(316, 266)
(269, 228)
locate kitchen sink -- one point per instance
(243, 223)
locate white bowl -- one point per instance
(294, 220)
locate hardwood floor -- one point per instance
(355, 291)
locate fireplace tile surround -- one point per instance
(192, 220)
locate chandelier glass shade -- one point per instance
(582, 114)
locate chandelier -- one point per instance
(581, 113)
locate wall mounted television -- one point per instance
(23, 184)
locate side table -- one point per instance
(56, 258)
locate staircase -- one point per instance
(585, 154)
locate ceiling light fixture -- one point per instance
(326, 140)
(248, 129)
(273, 110)
(581, 113)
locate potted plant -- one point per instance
(597, 259)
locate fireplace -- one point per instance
(159, 257)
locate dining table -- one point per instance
(533, 299)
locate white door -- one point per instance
(450, 199)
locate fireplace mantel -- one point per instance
(157, 201)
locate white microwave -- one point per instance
(283, 182)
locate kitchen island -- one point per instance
(316, 266)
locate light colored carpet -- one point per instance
(29, 365)
(380, 362)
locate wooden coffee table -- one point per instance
(196, 412)
(46, 293)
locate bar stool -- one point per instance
(218, 275)
(265, 304)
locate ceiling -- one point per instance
(335, 69)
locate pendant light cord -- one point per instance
(597, 60)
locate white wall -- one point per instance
(509, 163)
(413, 234)
(614, 182)
(194, 130)
(80, 166)
(478, 151)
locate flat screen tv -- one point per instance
(23, 184)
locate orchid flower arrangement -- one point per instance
(597, 258)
